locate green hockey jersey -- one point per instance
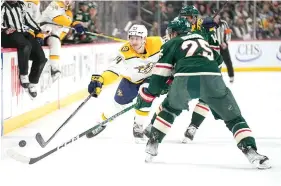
(185, 55)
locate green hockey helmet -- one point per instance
(189, 11)
(179, 25)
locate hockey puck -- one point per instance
(22, 143)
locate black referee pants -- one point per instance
(28, 49)
(227, 60)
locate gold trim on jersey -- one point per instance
(152, 47)
(33, 1)
(62, 20)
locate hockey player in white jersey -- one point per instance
(133, 64)
(60, 17)
(33, 8)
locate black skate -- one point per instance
(138, 133)
(259, 161)
(24, 81)
(32, 90)
(189, 134)
(55, 73)
(151, 149)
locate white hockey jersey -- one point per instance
(133, 66)
(33, 8)
(58, 14)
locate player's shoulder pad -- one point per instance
(153, 44)
(36, 2)
(126, 51)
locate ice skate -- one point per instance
(189, 134)
(32, 91)
(259, 161)
(231, 79)
(138, 133)
(55, 73)
(147, 131)
(151, 150)
(24, 81)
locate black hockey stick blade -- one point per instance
(40, 140)
(100, 127)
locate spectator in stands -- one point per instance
(93, 23)
(240, 30)
(15, 35)
(166, 14)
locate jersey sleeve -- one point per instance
(111, 74)
(163, 68)
(54, 12)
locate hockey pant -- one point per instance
(213, 91)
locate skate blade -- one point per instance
(186, 140)
(149, 158)
(264, 165)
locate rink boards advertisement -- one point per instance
(79, 62)
(256, 55)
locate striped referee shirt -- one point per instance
(223, 32)
(14, 15)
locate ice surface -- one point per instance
(112, 158)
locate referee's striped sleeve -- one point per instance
(3, 10)
(31, 23)
(226, 33)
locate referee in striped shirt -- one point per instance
(14, 33)
(223, 33)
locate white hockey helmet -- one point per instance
(138, 30)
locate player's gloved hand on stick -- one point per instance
(95, 85)
(144, 99)
(79, 28)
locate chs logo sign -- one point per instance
(248, 52)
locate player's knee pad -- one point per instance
(112, 109)
(168, 108)
(55, 45)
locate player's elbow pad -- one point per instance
(62, 20)
(109, 77)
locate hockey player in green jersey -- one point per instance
(206, 28)
(196, 76)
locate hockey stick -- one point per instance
(97, 129)
(39, 137)
(108, 37)
(218, 12)
(89, 33)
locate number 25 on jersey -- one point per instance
(191, 46)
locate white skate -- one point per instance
(257, 160)
(189, 134)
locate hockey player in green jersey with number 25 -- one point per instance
(196, 75)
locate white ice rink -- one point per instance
(112, 158)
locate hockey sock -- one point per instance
(199, 114)
(241, 133)
(163, 122)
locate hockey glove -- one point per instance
(40, 38)
(144, 99)
(209, 22)
(79, 29)
(95, 85)
(167, 85)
